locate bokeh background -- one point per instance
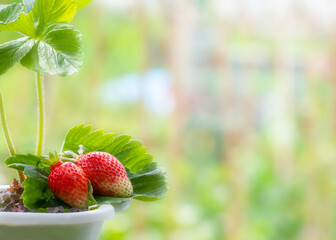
(235, 98)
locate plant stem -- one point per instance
(8, 138)
(41, 113)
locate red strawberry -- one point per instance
(106, 174)
(69, 183)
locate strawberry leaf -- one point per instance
(148, 180)
(131, 153)
(23, 24)
(20, 162)
(10, 13)
(92, 200)
(13, 51)
(83, 135)
(54, 47)
(45, 12)
(28, 4)
(149, 184)
(37, 193)
(79, 4)
(58, 51)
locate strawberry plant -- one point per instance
(92, 168)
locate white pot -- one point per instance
(56, 226)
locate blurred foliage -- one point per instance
(249, 147)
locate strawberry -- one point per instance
(69, 183)
(106, 174)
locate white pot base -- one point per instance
(85, 231)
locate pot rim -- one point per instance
(104, 212)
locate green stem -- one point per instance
(5, 129)
(8, 138)
(41, 113)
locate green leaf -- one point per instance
(36, 173)
(28, 4)
(10, 13)
(20, 162)
(13, 51)
(37, 193)
(13, 18)
(53, 11)
(46, 12)
(82, 135)
(149, 184)
(23, 24)
(92, 200)
(57, 47)
(148, 180)
(42, 13)
(59, 51)
(130, 153)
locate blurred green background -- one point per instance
(236, 99)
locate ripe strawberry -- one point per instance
(106, 174)
(69, 183)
